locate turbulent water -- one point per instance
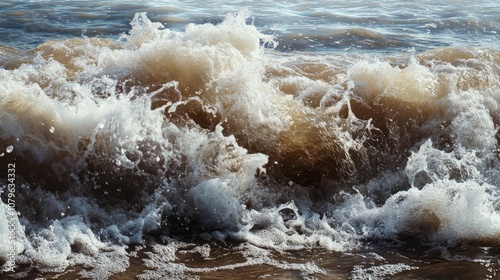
(281, 140)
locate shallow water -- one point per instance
(284, 140)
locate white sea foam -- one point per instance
(162, 263)
(379, 272)
(207, 134)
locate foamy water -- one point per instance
(281, 141)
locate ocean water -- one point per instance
(250, 140)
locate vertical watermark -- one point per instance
(11, 214)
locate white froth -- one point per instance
(66, 111)
(470, 112)
(430, 164)
(413, 84)
(267, 228)
(379, 272)
(434, 212)
(162, 263)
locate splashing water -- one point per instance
(158, 143)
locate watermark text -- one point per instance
(11, 217)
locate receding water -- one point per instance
(242, 140)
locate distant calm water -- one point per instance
(250, 140)
(388, 26)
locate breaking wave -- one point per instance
(161, 138)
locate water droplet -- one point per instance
(62, 214)
(9, 149)
(2, 154)
(157, 159)
(52, 129)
